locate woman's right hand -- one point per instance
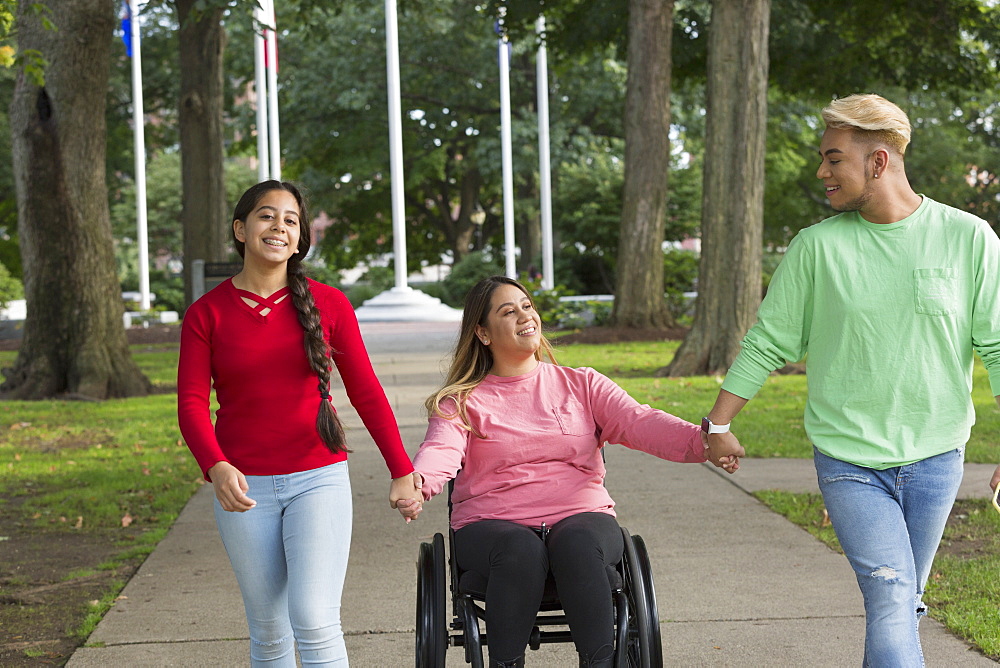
(230, 488)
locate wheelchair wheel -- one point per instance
(644, 644)
(653, 637)
(432, 629)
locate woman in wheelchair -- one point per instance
(522, 440)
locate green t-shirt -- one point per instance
(889, 316)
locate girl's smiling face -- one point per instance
(271, 232)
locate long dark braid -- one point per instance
(317, 350)
(327, 423)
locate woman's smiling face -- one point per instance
(513, 329)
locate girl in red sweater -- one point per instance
(276, 455)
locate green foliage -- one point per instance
(466, 273)
(10, 287)
(322, 273)
(680, 272)
(163, 207)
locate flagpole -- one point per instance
(395, 144)
(272, 94)
(260, 86)
(505, 147)
(544, 166)
(140, 158)
(401, 302)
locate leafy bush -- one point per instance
(465, 274)
(680, 272)
(10, 287)
(359, 293)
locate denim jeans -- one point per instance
(289, 554)
(889, 524)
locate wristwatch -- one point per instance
(710, 427)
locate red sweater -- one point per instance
(266, 390)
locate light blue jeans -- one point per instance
(889, 524)
(289, 554)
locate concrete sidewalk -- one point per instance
(736, 584)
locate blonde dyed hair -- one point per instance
(877, 119)
(472, 360)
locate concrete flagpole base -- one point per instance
(404, 304)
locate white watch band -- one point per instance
(710, 427)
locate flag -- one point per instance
(127, 27)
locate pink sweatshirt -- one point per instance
(540, 460)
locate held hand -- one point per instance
(724, 451)
(406, 497)
(230, 488)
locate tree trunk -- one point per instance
(204, 212)
(639, 298)
(74, 343)
(729, 281)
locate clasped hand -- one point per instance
(723, 450)
(406, 497)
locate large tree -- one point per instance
(204, 206)
(639, 284)
(733, 187)
(74, 343)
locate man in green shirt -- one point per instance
(890, 299)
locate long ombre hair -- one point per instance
(331, 431)
(473, 360)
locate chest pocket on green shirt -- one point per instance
(936, 290)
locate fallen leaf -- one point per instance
(79, 522)
(126, 520)
(825, 522)
(17, 456)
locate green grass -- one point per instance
(963, 590)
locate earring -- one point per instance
(876, 175)
(486, 342)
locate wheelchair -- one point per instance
(637, 626)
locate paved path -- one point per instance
(737, 585)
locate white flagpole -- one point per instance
(544, 166)
(395, 144)
(272, 93)
(260, 87)
(505, 150)
(140, 159)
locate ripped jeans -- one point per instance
(889, 524)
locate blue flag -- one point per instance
(127, 27)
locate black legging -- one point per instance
(516, 562)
